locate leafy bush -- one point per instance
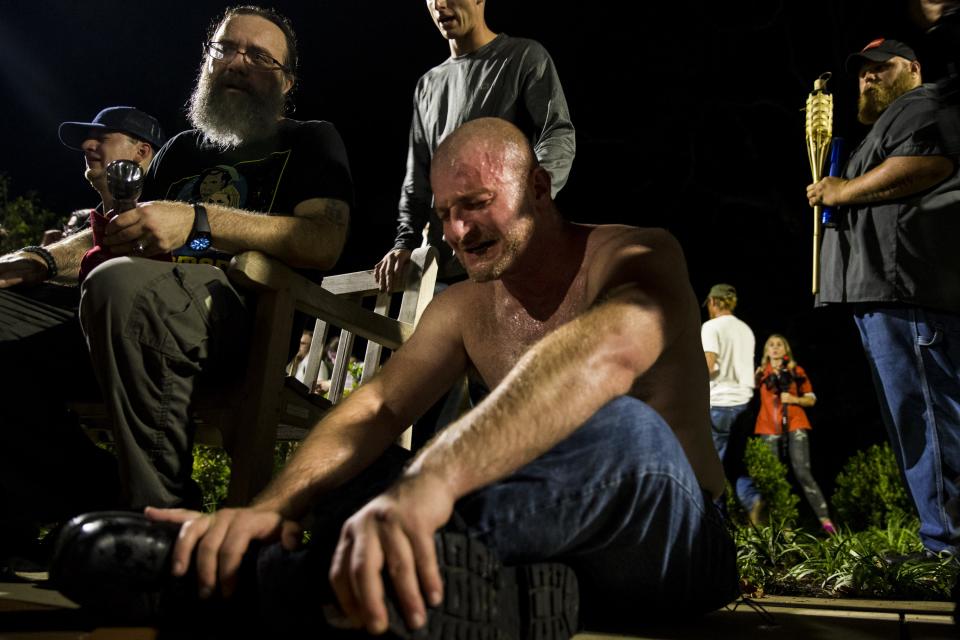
(772, 560)
(770, 476)
(852, 564)
(211, 470)
(736, 514)
(355, 368)
(869, 490)
(282, 452)
(22, 218)
(765, 554)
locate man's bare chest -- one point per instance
(502, 331)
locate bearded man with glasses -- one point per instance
(245, 178)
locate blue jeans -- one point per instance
(914, 355)
(722, 419)
(617, 501)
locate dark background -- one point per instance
(688, 116)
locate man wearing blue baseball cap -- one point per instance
(893, 257)
(41, 344)
(116, 133)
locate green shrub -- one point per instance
(211, 470)
(356, 370)
(23, 218)
(770, 477)
(735, 511)
(282, 452)
(765, 554)
(852, 564)
(772, 560)
(869, 490)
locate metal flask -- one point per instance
(125, 182)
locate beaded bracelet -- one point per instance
(47, 257)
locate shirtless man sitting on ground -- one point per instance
(593, 448)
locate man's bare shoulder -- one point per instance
(461, 298)
(618, 251)
(612, 236)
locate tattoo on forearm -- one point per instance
(334, 212)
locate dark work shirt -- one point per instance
(898, 251)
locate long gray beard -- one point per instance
(231, 119)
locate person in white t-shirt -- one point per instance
(728, 344)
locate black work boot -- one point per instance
(485, 600)
(117, 563)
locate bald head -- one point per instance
(494, 143)
(491, 196)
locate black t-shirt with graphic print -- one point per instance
(303, 160)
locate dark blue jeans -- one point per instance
(914, 355)
(722, 419)
(617, 501)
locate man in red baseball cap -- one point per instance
(887, 69)
(893, 257)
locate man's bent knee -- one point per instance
(118, 280)
(628, 422)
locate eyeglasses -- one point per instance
(256, 58)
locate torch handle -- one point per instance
(817, 213)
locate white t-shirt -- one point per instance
(732, 340)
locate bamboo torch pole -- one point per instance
(819, 133)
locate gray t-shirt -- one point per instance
(510, 78)
(904, 250)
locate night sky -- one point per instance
(688, 116)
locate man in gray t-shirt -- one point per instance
(894, 258)
(486, 75)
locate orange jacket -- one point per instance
(770, 415)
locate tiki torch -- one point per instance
(819, 132)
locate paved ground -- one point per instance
(30, 612)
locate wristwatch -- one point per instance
(200, 237)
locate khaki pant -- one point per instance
(157, 332)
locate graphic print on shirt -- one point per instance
(251, 185)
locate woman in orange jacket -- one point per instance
(785, 391)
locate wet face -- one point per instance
(100, 148)
(235, 102)
(455, 18)
(486, 208)
(775, 348)
(883, 82)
